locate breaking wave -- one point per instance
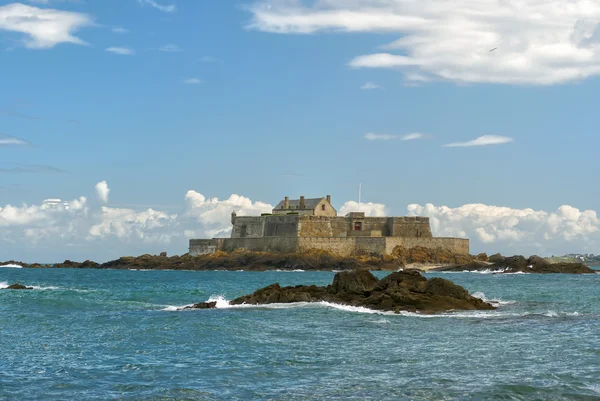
(12, 266)
(223, 303)
(495, 302)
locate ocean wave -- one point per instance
(12, 266)
(486, 271)
(3, 284)
(495, 302)
(223, 303)
(290, 271)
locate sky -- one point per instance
(156, 119)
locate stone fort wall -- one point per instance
(341, 246)
(328, 226)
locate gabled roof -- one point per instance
(308, 203)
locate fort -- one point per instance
(305, 224)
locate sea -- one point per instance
(120, 335)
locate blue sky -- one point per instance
(266, 99)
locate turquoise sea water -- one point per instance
(116, 335)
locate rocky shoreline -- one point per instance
(406, 291)
(417, 257)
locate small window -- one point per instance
(323, 207)
(358, 226)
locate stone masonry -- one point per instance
(304, 224)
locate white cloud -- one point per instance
(171, 8)
(370, 209)
(170, 48)
(482, 141)
(60, 230)
(192, 81)
(63, 230)
(118, 29)
(12, 141)
(526, 231)
(537, 42)
(102, 191)
(45, 28)
(125, 51)
(370, 85)
(387, 137)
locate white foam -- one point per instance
(3, 284)
(290, 271)
(356, 309)
(173, 308)
(495, 302)
(35, 287)
(12, 266)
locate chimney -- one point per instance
(233, 216)
(329, 199)
(286, 204)
(302, 205)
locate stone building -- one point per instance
(304, 224)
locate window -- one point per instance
(323, 207)
(357, 226)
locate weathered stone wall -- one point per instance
(323, 208)
(205, 246)
(370, 245)
(248, 227)
(416, 227)
(266, 244)
(375, 224)
(281, 226)
(456, 245)
(338, 246)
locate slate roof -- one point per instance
(308, 203)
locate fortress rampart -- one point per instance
(304, 224)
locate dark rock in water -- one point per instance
(399, 291)
(203, 305)
(518, 263)
(496, 258)
(358, 282)
(18, 286)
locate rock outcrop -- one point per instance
(516, 264)
(400, 291)
(18, 286)
(422, 255)
(202, 305)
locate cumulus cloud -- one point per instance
(44, 28)
(482, 141)
(527, 231)
(370, 209)
(102, 191)
(124, 51)
(171, 8)
(369, 86)
(387, 137)
(61, 230)
(12, 141)
(118, 29)
(537, 42)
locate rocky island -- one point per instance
(420, 258)
(400, 291)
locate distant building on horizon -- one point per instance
(312, 223)
(56, 203)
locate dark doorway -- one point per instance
(358, 226)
